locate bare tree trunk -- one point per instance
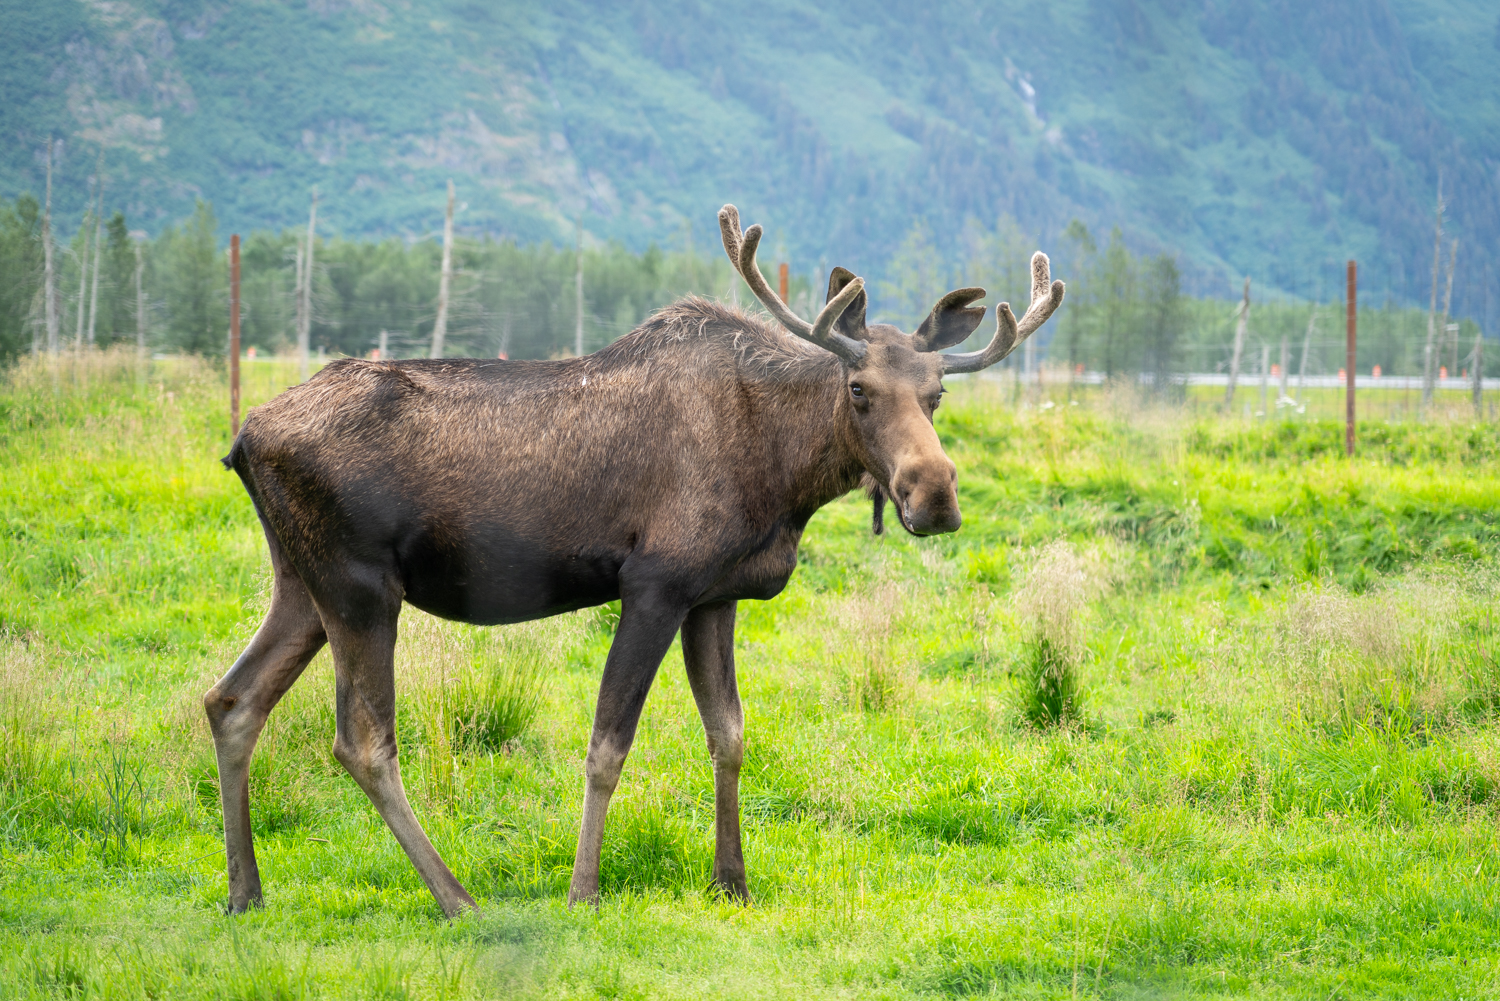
(1477, 360)
(83, 283)
(1265, 379)
(440, 327)
(383, 352)
(1429, 369)
(140, 304)
(1312, 319)
(297, 299)
(49, 279)
(578, 292)
(304, 333)
(36, 322)
(1448, 304)
(98, 239)
(1239, 345)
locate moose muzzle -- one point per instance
(926, 496)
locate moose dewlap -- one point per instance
(674, 470)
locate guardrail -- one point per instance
(1253, 382)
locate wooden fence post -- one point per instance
(1352, 276)
(234, 334)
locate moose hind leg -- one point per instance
(237, 708)
(365, 744)
(708, 651)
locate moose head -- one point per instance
(893, 380)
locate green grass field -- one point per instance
(1279, 777)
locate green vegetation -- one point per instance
(1126, 313)
(505, 298)
(496, 701)
(1281, 779)
(1259, 137)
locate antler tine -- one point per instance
(729, 228)
(741, 249)
(1046, 296)
(750, 271)
(823, 333)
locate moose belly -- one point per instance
(504, 578)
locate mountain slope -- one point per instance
(1271, 137)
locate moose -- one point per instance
(674, 470)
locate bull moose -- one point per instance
(674, 470)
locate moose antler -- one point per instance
(1046, 296)
(741, 250)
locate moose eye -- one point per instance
(857, 391)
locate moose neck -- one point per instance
(811, 424)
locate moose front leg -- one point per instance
(708, 650)
(648, 621)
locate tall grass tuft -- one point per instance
(33, 773)
(1052, 604)
(124, 809)
(494, 704)
(495, 701)
(474, 690)
(877, 680)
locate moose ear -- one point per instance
(851, 323)
(951, 321)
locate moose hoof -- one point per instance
(462, 907)
(732, 888)
(579, 895)
(240, 907)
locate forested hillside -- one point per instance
(1269, 137)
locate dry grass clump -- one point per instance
(1405, 657)
(1052, 605)
(27, 757)
(1325, 623)
(877, 678)
(78, 369)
